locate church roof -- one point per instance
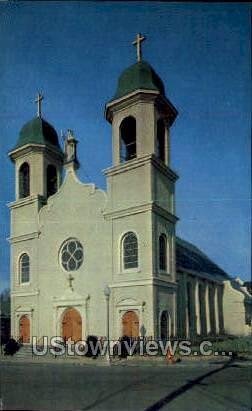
(189, 257)
(138, 76)
(38, 131)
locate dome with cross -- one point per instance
(38, 130)
(138, 76)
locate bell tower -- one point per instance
(141, 184)
(38, 160)
(141, 117)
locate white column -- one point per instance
(216, 309)
(187, 327)
(208, 326)
(187, 322)
(197, 308)
(172, 255)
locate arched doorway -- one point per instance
(164, 326)
(72, 325)
(24, 329)
(130, 324)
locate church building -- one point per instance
(108, 263)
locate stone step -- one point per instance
(25, 351)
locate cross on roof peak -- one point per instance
(38, 100)
(137, 43)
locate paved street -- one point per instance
(60, 387)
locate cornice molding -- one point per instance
(25, 293)
(164, 213)
(137, 96)
(129, 165)
(141, 96)
(148, 281)
(35, 148)
(24, 237)
(202, 275)
(164, 169)
(27, 200)
(142, 208)
(139, 162)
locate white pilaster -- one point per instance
(208, 326)
(197, 308)
(216, 309)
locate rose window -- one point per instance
(71, 255)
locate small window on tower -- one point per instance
(162, 253)
(52, 181)
(161, 139)
(24, 180)
(128, 139)
(24, 269)
(130, 251)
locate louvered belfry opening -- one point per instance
(52, 183)
(24, 180)
(128, 139)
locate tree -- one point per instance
(5, 302)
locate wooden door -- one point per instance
(24, 329)
(72, 325)
(130, 324)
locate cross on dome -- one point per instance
(38, 100)
(137, 43)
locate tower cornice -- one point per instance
(140, 161)
(36, 198)
(35, 148)
(141, 96)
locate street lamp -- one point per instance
(107, 293)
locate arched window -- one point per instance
(24, 180)
(128, 139)
(24, 268)
(161, 139)
(52, 183)
(130, 251)
(162, 252)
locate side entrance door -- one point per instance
(130, 324)
(24, 329)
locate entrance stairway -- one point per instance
(24, 352)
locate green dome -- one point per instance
(38, 131)
(138, 76)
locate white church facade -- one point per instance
(90, 262)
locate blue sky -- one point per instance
(74, 53)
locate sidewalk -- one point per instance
(136, 360)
